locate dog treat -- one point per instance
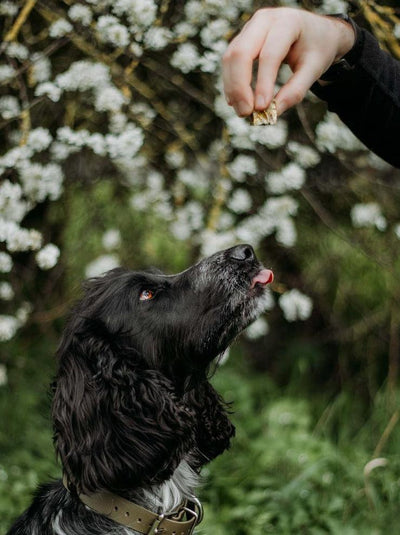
(267, 116)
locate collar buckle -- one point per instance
(196, 511)
(155, 525)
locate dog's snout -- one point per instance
(243, 253)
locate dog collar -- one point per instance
(134, 516)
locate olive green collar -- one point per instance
(142, 520)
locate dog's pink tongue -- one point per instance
(264, 277)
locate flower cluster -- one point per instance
(138, 88)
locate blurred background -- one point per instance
(117, 148)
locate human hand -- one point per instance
(309, 43)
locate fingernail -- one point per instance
(260, 102)
(242, 108)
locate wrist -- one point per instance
(346, 34)
(347, 39)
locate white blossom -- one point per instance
(109, 98)
(144, 111)
(286, 233)
(61, 151)
(111, 31)
(290, 177)
(225, 222)
(118, 121)
(6, 73)
(175, 158)
(42, 181)
(8, 8)
(9, 107)
(126, 144)
(211, 241)
(75, 138)
(15, 157)
(304, 155)
(158, 200)
(272, 137)
(80, 13)
(23, 312)
(195, 13)
(332, 134)
(47, 257)
(223, 358)
(12, 205)
(140, 13)
(136, 49)
(17, 238)
(189, 219)
(209, 61)
(102, 264)
(6, 291)
(97, 143)
(186, 58)
(257, 329)
(240, 201)
(8, 327)
(274, 215)
(295, 305)
(111, 239)
(213, 31)
(239, 131)
(368, 215)
(49, 90)
(59, 28)
(83, 75)
(40, 69)
(17, 51)
(184, 30)
(193, 179)
(39, 139)
(157, 38)
(334, 6)
(241, 166)
(6, 262)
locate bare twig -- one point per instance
(24, 14)
(387, 432)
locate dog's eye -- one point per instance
(146, 295)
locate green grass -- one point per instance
(296, 465)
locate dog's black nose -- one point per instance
(244, 253)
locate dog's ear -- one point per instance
(117, 425)
(214, 430)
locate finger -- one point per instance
(297, 86)
(237, 66)
(274, 51)
(236, 75)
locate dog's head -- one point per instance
(133, 360)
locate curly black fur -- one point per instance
(131, 396)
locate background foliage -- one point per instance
(117, 148)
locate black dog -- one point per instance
(134, 415)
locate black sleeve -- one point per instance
(367, 97)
